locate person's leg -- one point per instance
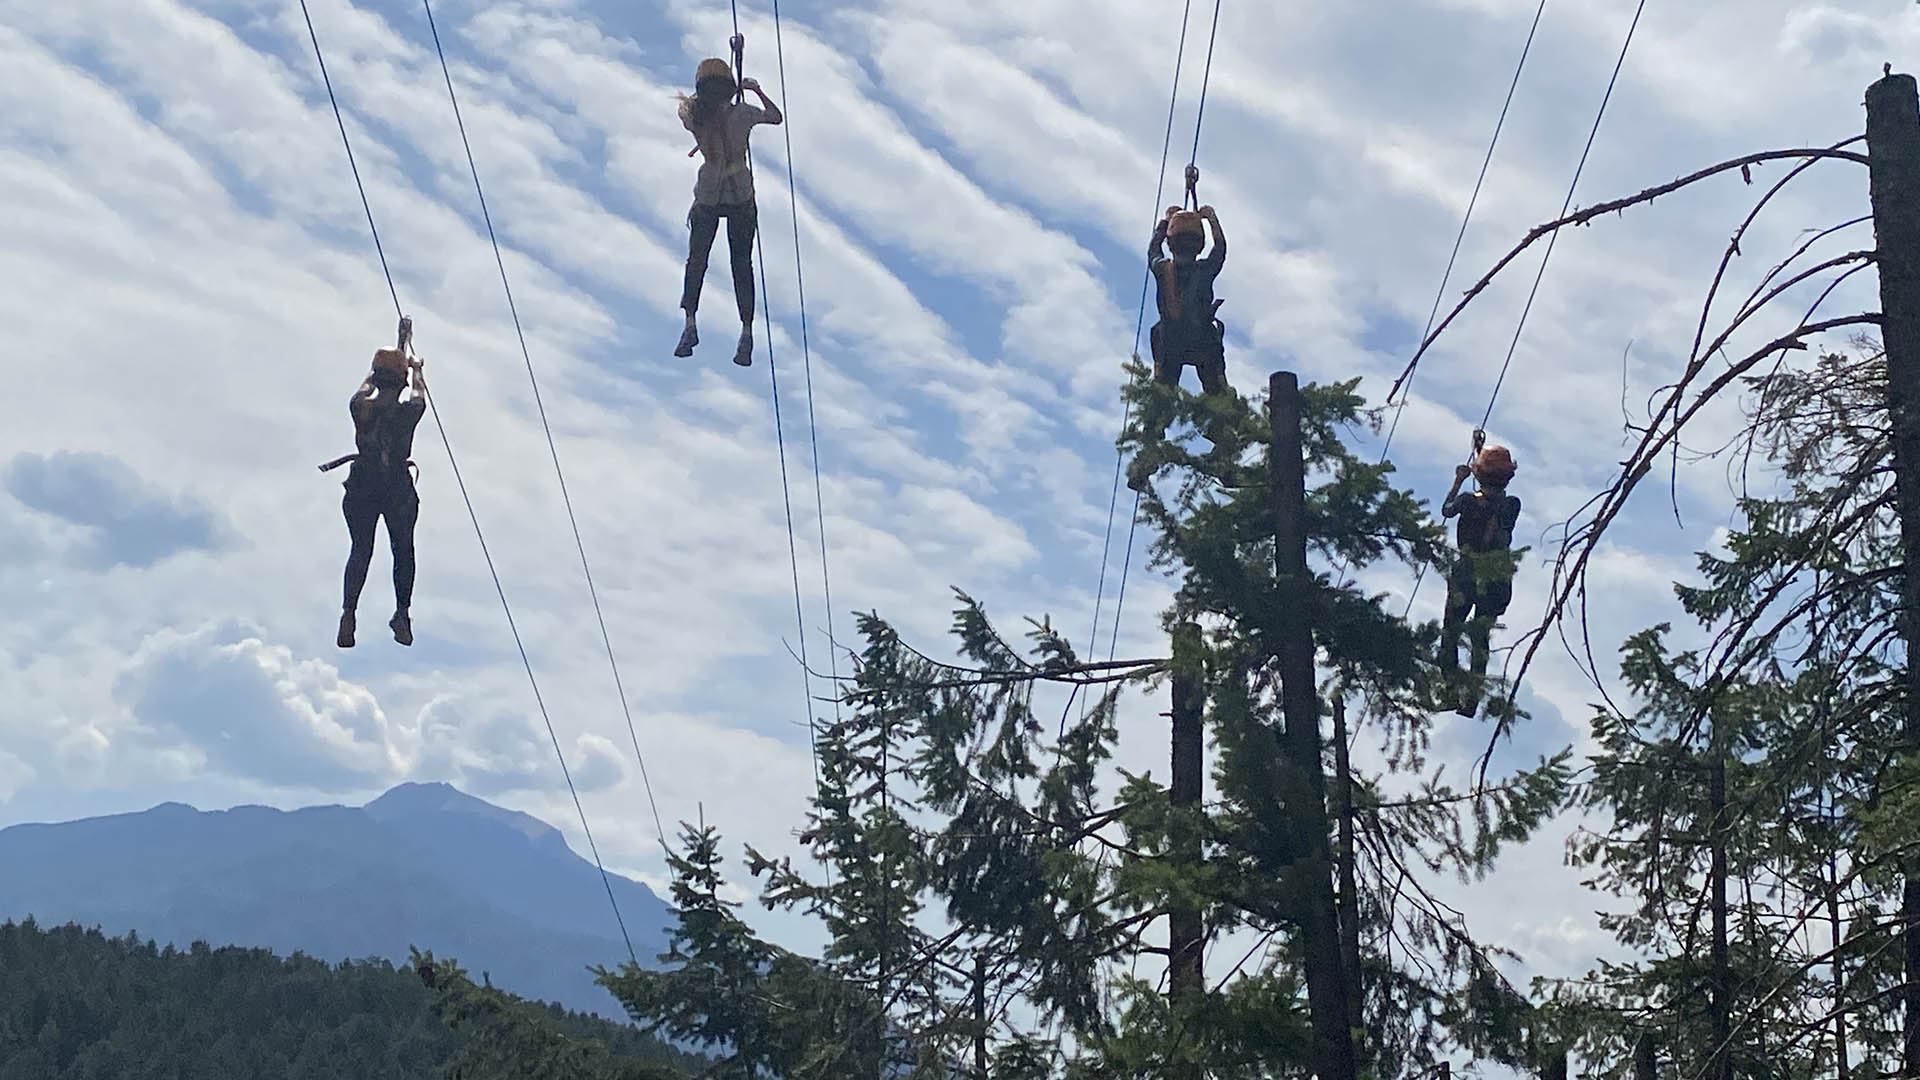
(1490, 602)
(741, 223)
(702, 224)
(1213, 363)
(1166, 359)
(1153, 417)
(402, 513)
(1459, 603)
(362, 515)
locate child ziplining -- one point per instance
(1480, 584)
(380, 484)
(720, 123)
(1187, 331)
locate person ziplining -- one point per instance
(1480, 582)
(385, 409)
(720, 122)
(1188, 331)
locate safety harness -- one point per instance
(385, 381)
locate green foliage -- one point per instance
(1795, 697)
(765, 1010)
(985, 899)
(75, 1005)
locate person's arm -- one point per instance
(361, 398)
(768, 113)
(418, 382)
(1218, 257)
(1509, 518)
(1451, 504)
(1156, 252)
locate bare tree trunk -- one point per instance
(1839, 972)
(1893, 151)
(1303, 778)
(1646, 1062)
(1720, 1064)
(980, 1018)
(1186, 971)
(1349, 890)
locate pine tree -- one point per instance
(1795, 701)
(1049, 884)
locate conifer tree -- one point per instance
(1796, 700)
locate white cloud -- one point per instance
(14, 774)
(490, 751)
(256, 711)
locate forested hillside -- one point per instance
(77, 1005)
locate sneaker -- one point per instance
(402, 628)
(345, 637)
(688, 339)
(743, 355)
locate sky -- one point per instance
(190, 295)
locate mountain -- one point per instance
(423, 865)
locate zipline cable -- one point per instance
(1193, 162)
(446, 442)
(1565, 204)
(1126, 414)
(541, 408)
(1459, 238)
(806, 360)
(779, 434)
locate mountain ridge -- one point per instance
(423, 864)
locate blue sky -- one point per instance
(191, 295)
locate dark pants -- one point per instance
(365, 503)
(703, 222)
(1484, 601)
(1205, 349)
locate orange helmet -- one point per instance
(1494, 464)
(390, 359)
(1186, 223)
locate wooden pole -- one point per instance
(980, 1018)
(1304, 784)
(1186, 975)
(1349, 888)
(1893, 153)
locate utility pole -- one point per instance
(1303, 783)
(1186, 936)
(1893, 152)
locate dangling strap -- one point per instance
(344, 458)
